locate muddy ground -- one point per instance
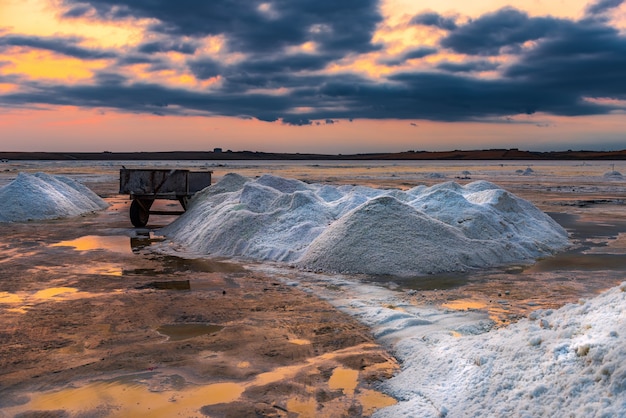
(95, 323)
(74, 312)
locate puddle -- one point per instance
(138, 244)
(104, 269)
(143, 240)
(114, 243)
(53, 292)
(160, 394)
(372, 400)
(179, 332)
(595, 261)
(430, 282)
(464, 304)
(344, 379)
(130, 399)
(20, 302)
(9, 298)
(200, 265)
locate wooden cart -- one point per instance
(146, 185)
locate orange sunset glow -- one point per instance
(302, 76)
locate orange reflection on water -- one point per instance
(20, 302)
(464, 304)
(344, 379)
(53, 292)
(114, 243)
(127, 397)
(105, 269)
(132, 399)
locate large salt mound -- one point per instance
(42, 196)
(563, 363)
(357, 229)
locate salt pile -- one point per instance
(43, 196)
(568, 362)
(613, 175)
(356, 229)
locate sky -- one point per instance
(321, 76)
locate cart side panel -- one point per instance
(156, 182)
(198, 180)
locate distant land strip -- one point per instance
(489, 154)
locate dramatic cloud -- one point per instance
(61, 45)
(434, 19)
(583, 60)
(467, 66)
(305, 62)
(602, 6)
(507, 27)
(168, 45)
(338, 27)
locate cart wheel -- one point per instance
(139, 213)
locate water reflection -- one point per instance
(20, 302)
(344, 379)
(115, 243)
(464, 304)
(130, 399)
(163, 394)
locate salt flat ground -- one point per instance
(86, 303)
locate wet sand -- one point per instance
(86, 304)
(96, 323)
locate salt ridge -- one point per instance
(43, 196)
(356, 229)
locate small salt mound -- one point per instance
(613, 175)
(42, 196)
(359, 229)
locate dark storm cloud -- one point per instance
(450, 98)
(205, 68)
(467, 66)
(602, 6)
(261, 72)
(113, 93)
(61, 45)
(586, 59)
(434, 19)
(340, 27)
(134, 58)
(568, 62)
(167, 45)
(506, 27)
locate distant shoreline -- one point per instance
(489, 154)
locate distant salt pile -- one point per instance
(43, 196)
(356, 229)
(613, 175)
